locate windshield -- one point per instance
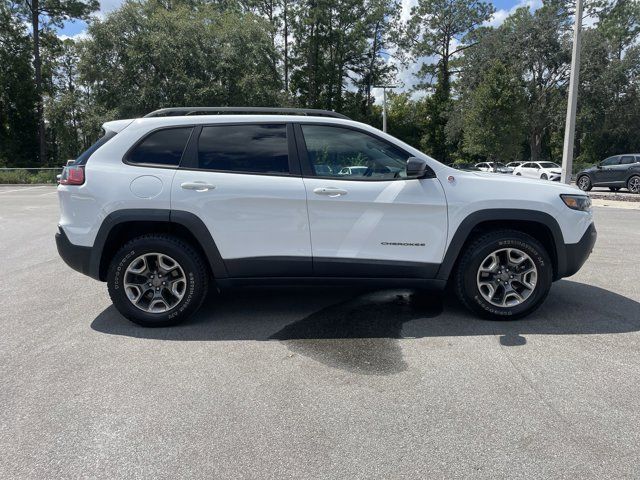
(84, 156)
(549, 165)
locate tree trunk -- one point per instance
(535, 145)
(37, 67)
(285, 20)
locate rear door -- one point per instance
(623, 168)
(375, 223)
(243, 182)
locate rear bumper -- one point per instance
(77, 257)
(577, 253)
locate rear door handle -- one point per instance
(330, 191)
(197, 186)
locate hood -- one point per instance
(500, 180)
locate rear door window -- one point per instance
(627, 160)
(260, 149)
(163, 147)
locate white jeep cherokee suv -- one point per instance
(163, 206)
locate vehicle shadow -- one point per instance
(357, 330)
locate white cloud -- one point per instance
(78, 36)
(501, 15)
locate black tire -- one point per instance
(518, 174)
(544, 177)
(614, 189)
(187, 258)
(633, 184)
(465, 276)
(584, 183)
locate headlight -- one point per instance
(577, 202)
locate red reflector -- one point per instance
(72, 175)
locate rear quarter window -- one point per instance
(162, 148)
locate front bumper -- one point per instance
(577, 253)
(77, 257)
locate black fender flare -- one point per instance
(505, 215)
(170, 217)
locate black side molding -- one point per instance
(504, 215)
(577, 253)
(77, 257)
(169, 217)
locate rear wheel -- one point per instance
(157, 280)
(584, 183)
(634, 184)
(503, 275)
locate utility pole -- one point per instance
(572, 103)
(384, 104)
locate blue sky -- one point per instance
(502, 7)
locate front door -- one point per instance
(367, 219)
(607, 171)
(239, 180)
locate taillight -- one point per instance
(72, 175)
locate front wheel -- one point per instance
(584, 183)
(503, 275)
(544, 177)
(634, 184)
(157, 280)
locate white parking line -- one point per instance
(22, 189)
(48, 193)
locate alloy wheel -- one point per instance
(155, 282)
(583, 183)
(507, 277)
(634, 184)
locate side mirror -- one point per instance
(70, 162)
(599, 166)
(416, 167)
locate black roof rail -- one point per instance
(177, 111)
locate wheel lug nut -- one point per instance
(164, 283)
(157, 288)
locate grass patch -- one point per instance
(28, 177)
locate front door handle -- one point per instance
(330, 191)
(197, 186)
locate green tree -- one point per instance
(495, 114)
(338, 44)
(436, 34)
(18, 123)
(178, 56)
(43, 14)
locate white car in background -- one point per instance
(542, 170)
(512, 165)
(496, 167)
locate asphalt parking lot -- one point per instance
(315, 382)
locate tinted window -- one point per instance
(244, 148)
(344, 153)
(627, 159)
(528, 165)
(610, 161)
(549, 165)
(84, 156)
(162, 147)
